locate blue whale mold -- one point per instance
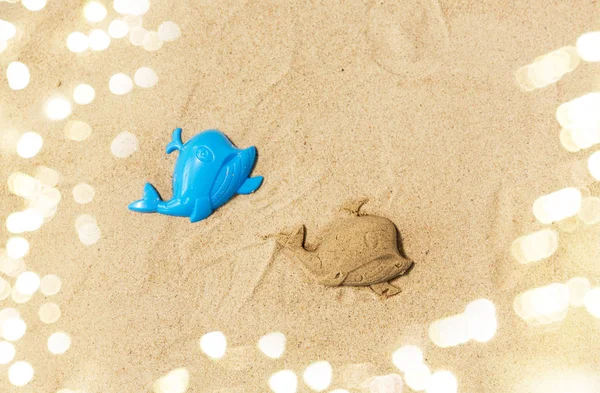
(209, 171)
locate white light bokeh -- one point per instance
(89, 233)
(133, 21)
(77, 130)
(152, 41)
(391, 383)
(118, 29)
(176, 381)
(124, 145)
(535, 247)
(29, 144)
(20, 373)
(588, 46)
(17, 247)
(58, 108)
(406, 357)
(137, 36)
(591, 301)
(49, 313)
(417, 377)
(3, 45)
(34, 5)
(7, 30)
(543, 305)
(77, 42)
(98, 40)
(442, 382)
(557, 206)
(5, 289)
(272, 345)
(47, 176)
(94, 11)
(18, 297)
(50, 285)
(169, 31)
(145, 77)
(578, 289)
(318, 375)
(18, 75)
(25, 186)
(27, 283)
(594, 165)
(481, 320)
(120, 84)
(213, 344)
(83, 94)
(589, 213)
(7, 352)
(59, 343)
(284, 381)
(83, 193)
(450, 331)
(13, 329)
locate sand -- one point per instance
(412, 104)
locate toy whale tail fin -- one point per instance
(176, 143)
(149, 202)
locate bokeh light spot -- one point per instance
(214, 344)
(29, 144)
(59, 343)
(124, 145)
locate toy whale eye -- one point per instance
(204, 154)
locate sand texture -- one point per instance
(410, 103)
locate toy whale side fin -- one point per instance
(149, 202)
(202, 209)
(176, 143)
(250, 185)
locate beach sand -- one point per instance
(412, 104)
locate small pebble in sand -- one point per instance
(59, 343)
(118, 28)
(318, 375)
(17, 247)
(169, 31)
(272, 345)
(406, 357)
(391, 383)
(120, 84)
(7, 352)
(83, 94)
(20, 373)
(145, 77)
(557, 206)
(591, 301)
(77, 130)
(27, 283)
(94, 11)
(124, 144)
(34, 5)
(588, 46)
(284, 381)
(442, 382)
(50, 285)
(99, 40)
(152, 41)
(18, 75)
(58, 108)
(213, 344)
(137, 36)
(176, 381)
(83, 193)
(29, 144)
(77, 42)
(417, 377)
(578, 289)
(49, 313)
(535, 247)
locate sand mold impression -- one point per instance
(356, 250)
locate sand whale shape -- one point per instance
(359, 250)
(209, 171)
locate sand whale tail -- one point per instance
(149, 202)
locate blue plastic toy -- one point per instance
(209, 171)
